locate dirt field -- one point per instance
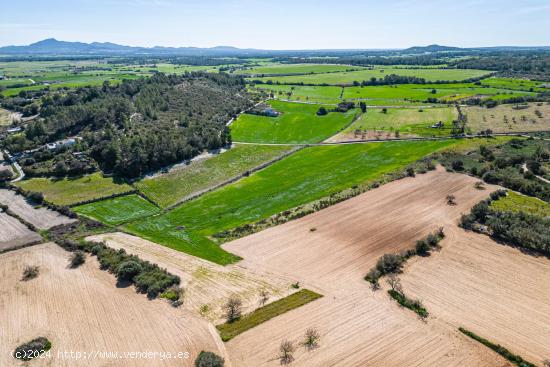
(42, 218)
(205, 283)
(359, 327)
(13, 233)
(504, 118)
(493, 290)
(81, 310)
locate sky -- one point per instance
(279, 24)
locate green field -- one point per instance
(169, 188)
(304, 93)
(514, 84)
(69, 191)
(286, 69)
(347, 78)
(307, 175)
(298, 123)
(118, 210)
(408, 121)
(230, 330)
(515, 202)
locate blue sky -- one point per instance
(279, 24)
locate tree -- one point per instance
(322, 111)
(233, 309)
(127, 270)
(286, 350)
(451, 199)
(209, 359)
(264, 297)
(395, 284)
(77, 259)
(384, 110)
(363, 106)
(6, 175)
(36, 197)
(311, 339)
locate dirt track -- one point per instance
(82, 310)
(359, 327)
(493, 290)
(205, 283)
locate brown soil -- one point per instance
(14, 234)
(359, 327)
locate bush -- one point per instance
(32, 349)
(422, 248)
(30, 272)
(389, 263)
(36, 197)
(322, 111)
(457, 165)
(78, 258)
(209, 359)
(127, 270)
(414, 305)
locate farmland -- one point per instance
(57, 300)
(67, 191)
(395, 122)
(169, 188)
(42, 218)
(514, 202)
(347, 78)
(298, 123)
(508, 118)
(118, 210)
(14, 233)
(333, 260)
(497, 291)
(304, 93)
(286, 69)
(307, 175)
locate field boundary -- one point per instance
(234, 178)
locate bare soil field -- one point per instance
(331, 251)
(81, 310)
(509, 118)
(493, 290)
(42, 218)
(207, 285)
(13, 233)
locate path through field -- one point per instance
(359, 327)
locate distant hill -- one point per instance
(431, 48)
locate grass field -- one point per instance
(4, 117)
(118, 210)
(514, 84)
(298, 123)
(508, 118)
(347, 78)
(408, 121)
(230, 330)
(69, 191)
(304, 93)
(307, 175)
(421, 92)
(167, 189)
(285, 69)
(514, 202)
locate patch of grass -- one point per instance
(285, 69)
(265, 313)
(317, 94)
(118, 210)
(509, 117)
(298, 123)
(169, 188)
(514, 202)
(379, 72)
(514, 358)
(307, 175)
(69, 191)
(408, 121)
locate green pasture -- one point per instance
(118, 210)
(317, 94)
(286, 69)
(515, 202)
(169, 188)
(298, 123)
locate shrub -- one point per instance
(30, 272)
(410, 172)
(36, 197)
(322, 111)
(414, 305)
(286, 350)
(233, 309)
(209, 359)
(78, 258)
(389, 263)
(457, 165)
(422, 248)
(32, 349)
(311, 339)
(127, 270)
